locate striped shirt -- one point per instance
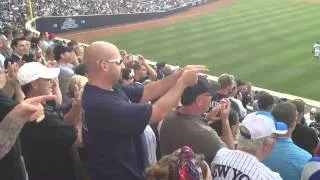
(149, 144)
(237, 165)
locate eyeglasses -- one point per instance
(118, 61)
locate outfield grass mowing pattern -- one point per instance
(268, 42)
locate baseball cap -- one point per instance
(261, 124)
(191, 93)
(311, 170)
(51, 36)
(313, 110)
(60, 49)
(34, 70)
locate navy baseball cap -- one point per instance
(191, 93)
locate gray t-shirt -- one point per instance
(180, 129)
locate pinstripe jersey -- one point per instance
(149, 144)
(239, 165)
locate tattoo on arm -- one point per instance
(9, 131)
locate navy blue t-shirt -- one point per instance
(115, 120)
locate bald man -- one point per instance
(117, 115)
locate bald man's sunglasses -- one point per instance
(118, 61)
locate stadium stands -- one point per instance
(110, 109)
(15, 12)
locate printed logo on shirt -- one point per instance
(221, 171)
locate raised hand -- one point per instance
(12, 73)
(214, 115)
(30, 110)
(189, 74)
(55, 87)
(3, 79)
(128, 61)
(141, 59)
(76, 101)
(225, 109)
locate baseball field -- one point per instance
(267, 42)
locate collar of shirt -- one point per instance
(17, 55)
(285, 139)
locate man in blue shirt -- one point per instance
(116, 116)
(287, 158)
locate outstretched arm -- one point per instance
(157, 89)
(10, 127)
(172, 97)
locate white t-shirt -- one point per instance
(316, 47)
(243, 111)
(238, 165)
(2, 59)
(308, 119)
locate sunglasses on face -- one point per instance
(118, 61)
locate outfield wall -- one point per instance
(59, 24)
(309, 102)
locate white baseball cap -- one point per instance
(313, 110)
(34, 70)
(261, 124)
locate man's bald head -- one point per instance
(101, 58)
(98, 51)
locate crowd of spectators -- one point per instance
(15, 12)
(89, 7)
(71, 112)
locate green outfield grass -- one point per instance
(268, 42)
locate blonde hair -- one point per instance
(226, 80)
(77, 80)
